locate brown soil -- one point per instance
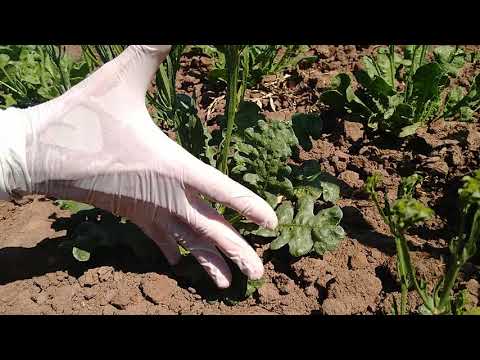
(38, 277)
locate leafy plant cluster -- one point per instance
(406, 212)
(258, 61)
(30, 75)
(260, 151)
(399, 91)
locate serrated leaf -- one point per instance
(304, 231)
(261, 150)
(253, 286)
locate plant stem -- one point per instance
(422, 55)
(392, 65)
(233, 61)
(411, 74)
(461, 103)
(452, 55)
(460, 256)
(450, 278)
(403, 304)
(405, 267)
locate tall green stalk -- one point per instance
(56, 53)
(404, 214)
(232, 57)
(392, 64)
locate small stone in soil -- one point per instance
(121, 300)
(334, 307)
(351, 178)
(311, 291)
(42, 282)
(358, 261)
(157, 288)
(353, 130)
(40, 298)
(89, 279)
(89, 293)
(105, 273)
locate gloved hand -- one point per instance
(97, 144)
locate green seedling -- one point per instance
(383, 105)
(406, 212)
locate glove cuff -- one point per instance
(14, 176)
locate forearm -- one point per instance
(14, 177)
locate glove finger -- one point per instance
(164, 241)
(210, 225)
(204, 252)
(208, 181)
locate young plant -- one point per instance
(30, 75)
(405, 212)
(301, 227)
(261, 150)
(382, 105)
(234, 96)
(258, 60)
(274, 59)
(97, 55)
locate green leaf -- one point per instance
(372, 183)
(312, 181)
(407, 212)
(466, 113)
(307, 126)
(80, 255)
(409, 130)
(253, 286)
(407, 186)
(192, 134)
(469, 193)
(327, 239)
(305, 231)
(4, 60)
(450, 59)
(453, 98)
(261, 150)
(401, 121)
(427, 80)
(73, 206)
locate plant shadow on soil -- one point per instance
(48, 256)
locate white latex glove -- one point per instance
(97, 144)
